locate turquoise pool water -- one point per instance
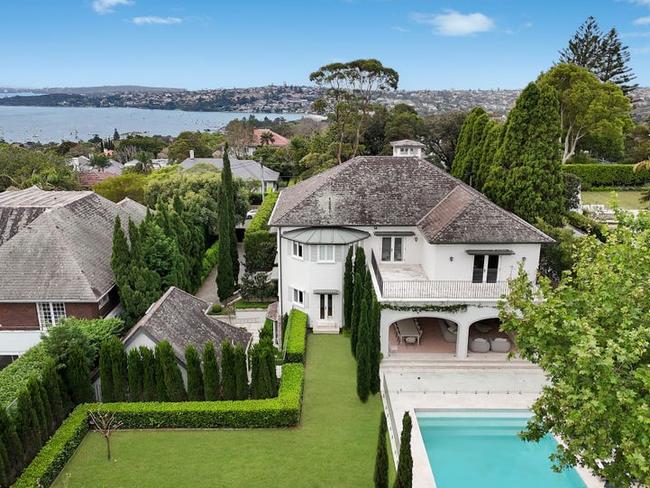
(481, 448)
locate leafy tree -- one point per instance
(126, 185)
(241, 374)
(136, 375)
(587, 107)
(116, 135)
(228, 378)
(228, 264)
(99, 161)
(403, 122)
(404, 478)
(174, 387)
(194, 375)
(363, 353)
(348, 288)
(350, 89)
(149, 387)
(590, 336)
(22, 168)
(381, 459)
(526, 177)
(602, 54)
(106, 372)
(211, 382)
(180, 148)
(441, 133)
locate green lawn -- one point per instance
(625, 199)
(334, 445)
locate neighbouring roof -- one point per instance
(278, 140)
(181, 319)
(407, 142)
(245, 169)
(325, 235)
(89, 178)
(400, 191)
(57, 245)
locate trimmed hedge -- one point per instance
(613, 175)
(51, 459)
(282, 411)
(587, 224)
(261, 219)
(296, 336)
(209, 260)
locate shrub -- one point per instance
(255, 198)
(261, 219)
(588, 225)
(571, 191)
(256, 287)
(14, 377)
(209, 260)
(296, 336)
(616, 175)
(215, 309)
(267, 331)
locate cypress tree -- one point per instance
(363, 354)
(12, 443)
(527, 175)
(241, 374)
(121, 256)
(171, 373)
(229, 383)
(119, 368)
(5, 474)
(263, 382)
(227, 263)
(211, 382)
(404, 477)
(161, 387)
(194, 375)
(473, 158)
(77, 376)
(39, 409)
(491, 142)
(106, 371)
(27, 427)
(47, 410)
(348, 289)
(381, 460)
(51, 382)
(149, 387)
(375, 322)
(136, 375)
(357, 294)
(461, 162)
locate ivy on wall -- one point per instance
(461, 307)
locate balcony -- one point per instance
(409, 281)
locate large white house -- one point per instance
(439, 253)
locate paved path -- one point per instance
(208, 290)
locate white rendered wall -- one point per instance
(16, 342)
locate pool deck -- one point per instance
(445, 387)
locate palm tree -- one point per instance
(267, 138)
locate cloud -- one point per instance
(108, 6)
(155, 20)
(642, 21)
(453, 23)
(399, 28)
(641, 2)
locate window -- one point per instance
(326, 253)
(326, 308)
(486, 269)
(392, 249)
(50, 314)
(298, 297)
(296, 250)
(103, 301)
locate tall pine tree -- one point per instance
(229, 382)
(106, 371)
(171, 373)
(357, 295)
(375, 352)
(381, 459)
(228, 262)
(149, 391)
(194, 375)
(119, 367)
(241, 373)
(363, 353)
(404, 478)
(135, 375)
(211, 382)
(470, 132)
(491, 141)
(348, 288)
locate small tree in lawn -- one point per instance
(241, 373)
(363, 354)
(105, 423)
(106, 372)
(194, 375)
(229, 383)
(171, 373)
(404, 477)
(149, 391)
(348, 288)
(381, 460)
(211, 383)
(136, 375)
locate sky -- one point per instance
(462, 44)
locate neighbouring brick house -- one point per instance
(55, 260)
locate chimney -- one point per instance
(191, 153)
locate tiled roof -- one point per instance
(400, 191)
(180, 318)
(245, 169)
(278, 140)
(407, 142)
(60, 247)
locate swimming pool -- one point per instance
(481, 448)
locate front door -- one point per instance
(326, 306)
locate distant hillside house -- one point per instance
(407, 147)
(245, 169)
(55, 260)
(261, 139)
(182, 319)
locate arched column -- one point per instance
(462, 340)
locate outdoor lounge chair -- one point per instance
(447, 335)
(500, 344)
(479, 344)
